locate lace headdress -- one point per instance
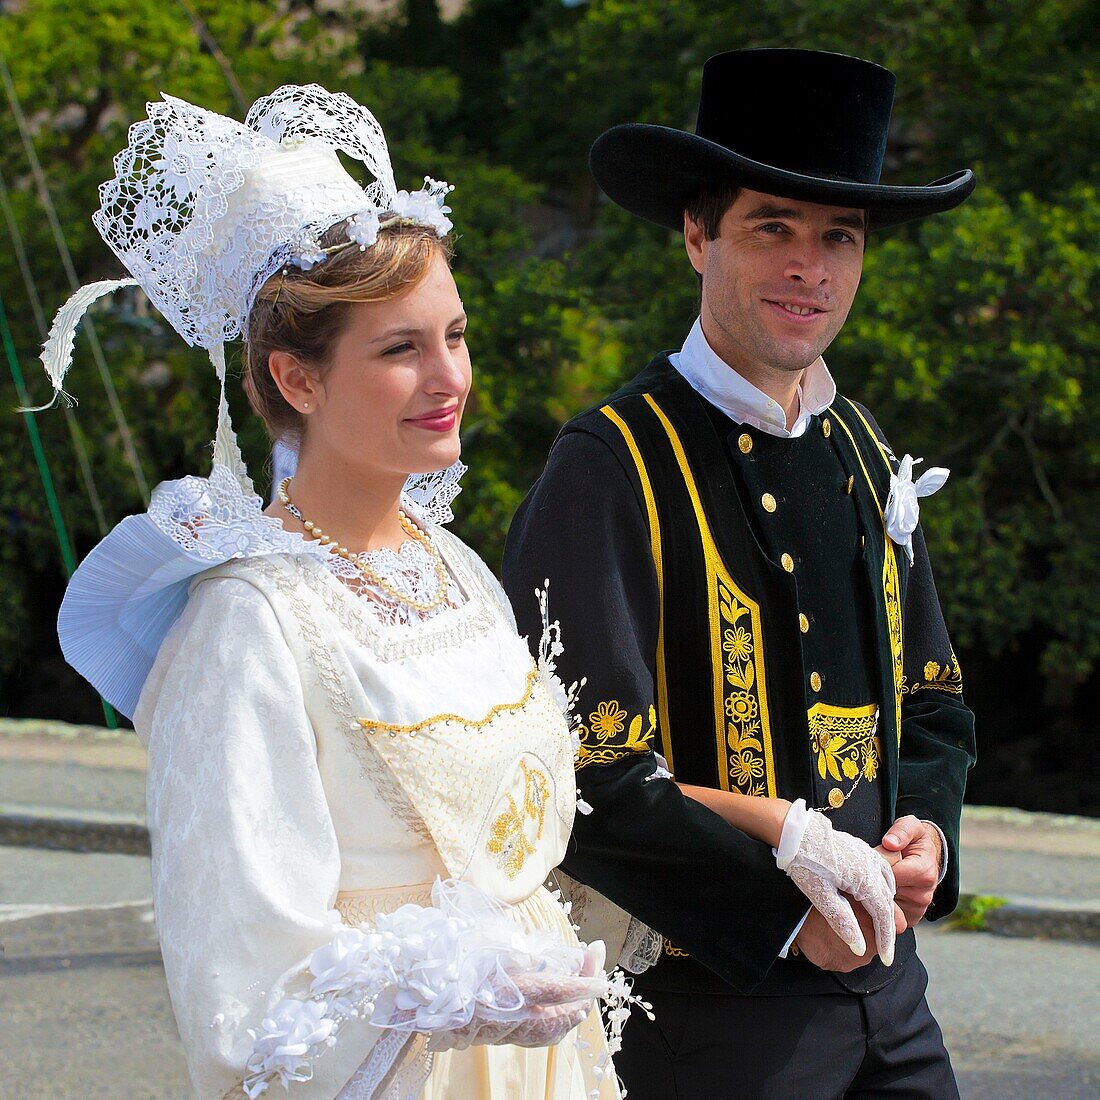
(203, 210)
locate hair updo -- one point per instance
(305, 312)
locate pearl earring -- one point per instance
(305, 404)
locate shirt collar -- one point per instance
(713, 379)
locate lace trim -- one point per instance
(365, 1081)
(362, 906)
(216, 520)
(472, 619)
(641, 948)
(402, 1060)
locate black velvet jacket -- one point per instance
(735, 604)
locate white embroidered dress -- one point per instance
(311, 764)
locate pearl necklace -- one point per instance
(360, 560)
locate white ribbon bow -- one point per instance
(902, 510)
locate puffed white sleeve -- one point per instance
(244, 853)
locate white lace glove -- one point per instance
(550, 1006)
(825, 863)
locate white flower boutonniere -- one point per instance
(902, 510)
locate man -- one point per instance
(744, 599)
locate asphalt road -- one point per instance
(85, 1013)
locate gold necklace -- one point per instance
(365, 568)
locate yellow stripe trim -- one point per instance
(874, 435)
(717, 570)
(655, 546)
(891, 581)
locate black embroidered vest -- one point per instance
(779, 659)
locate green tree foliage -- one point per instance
(974, 338)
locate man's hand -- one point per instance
(825, 949)
(917, 872)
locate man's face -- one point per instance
(778, 280)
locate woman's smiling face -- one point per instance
(392, 395)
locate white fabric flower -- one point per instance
(902, 511)
(285, 1042)
(341, 962)
(363, 228)
(426, 206)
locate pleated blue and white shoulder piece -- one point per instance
(127, 593)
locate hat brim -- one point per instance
(653, 171)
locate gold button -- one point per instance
(826, 428)
(744, 441)
(794, 949)
(787, 562)
(815, 681)
(768, 501)
(803, 623)
(851, 485)
(836, 798)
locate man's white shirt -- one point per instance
(717, 382)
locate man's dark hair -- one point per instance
(708, 206)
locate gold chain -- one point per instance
(365, 568)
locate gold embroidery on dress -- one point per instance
(599, 737)
(471, 723)
(937, 677)
(508, 839)
(674, 951)
(843, 741)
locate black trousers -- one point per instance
(825, 1046)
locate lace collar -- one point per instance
(127, 593)
(217, 520)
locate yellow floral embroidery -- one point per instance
(946, 677)
(741, 706)
(745, 761)
(508, 840)
(605, 723)
(508, 837)
(535, 797)
(842, 739)
(607, 720)
(746, 767)
(674, 951)
(737, 644)
(872, 754)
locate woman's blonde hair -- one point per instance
(305, 312)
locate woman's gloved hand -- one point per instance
(552, 1005)
(826, 864)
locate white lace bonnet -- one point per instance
(203, 210)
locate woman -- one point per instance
(358, 780)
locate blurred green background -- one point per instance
(974, 338)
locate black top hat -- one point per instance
(800, 124)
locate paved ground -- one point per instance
(1020, 1017)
